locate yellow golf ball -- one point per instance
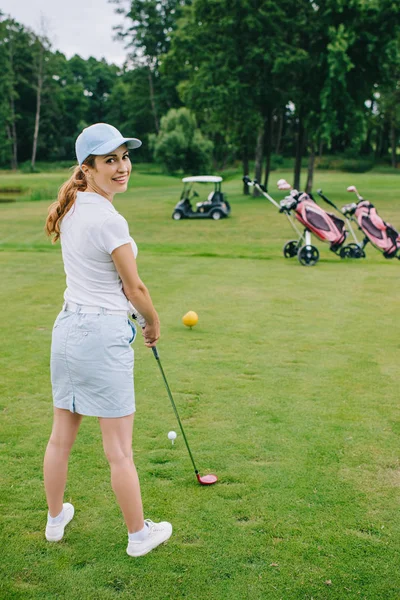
(190, 319)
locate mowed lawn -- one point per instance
(288, 389)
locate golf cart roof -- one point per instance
(202, 179)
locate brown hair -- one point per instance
(66, 198)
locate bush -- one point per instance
(42, 166)
(26, 167)
(350, 165)
(357, 165)
(180, 145)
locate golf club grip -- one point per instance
(321, 195)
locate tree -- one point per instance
(14, 42)
(147, 33)
(224, 48)
(40, 53)
(180, 145)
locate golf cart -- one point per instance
(215, 207)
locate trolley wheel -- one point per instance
(346, 252)
(290, 249)
(177, 215)
(357, 252)
(308, 256)
(351, 251)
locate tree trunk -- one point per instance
(299, 152)
(385, 140)
(279, 134)
(310, 171)
(38, 105)
(245, 160)
(393, 143)
(12, 129)
(153, 102)
(259, 158)
(378, 142)
(268, 145)
(12, 134)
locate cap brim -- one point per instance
(112, 145)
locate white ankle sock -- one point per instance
(55, 520)
(139, 536)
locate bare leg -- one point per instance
(65, 428)
(117, 442)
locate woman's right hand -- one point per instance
(151, 334)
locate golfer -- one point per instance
(91, 356)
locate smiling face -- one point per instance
(110, 174)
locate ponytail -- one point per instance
(66, 199)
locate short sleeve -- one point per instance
(114, 233)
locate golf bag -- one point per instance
(381, 235)
(325, 226)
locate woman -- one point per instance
(91, 357)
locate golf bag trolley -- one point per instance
(325, 226)
(380, 234)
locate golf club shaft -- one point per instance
(142, 322)
(157, 357)
(319, 192)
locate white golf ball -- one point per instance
(172, 435)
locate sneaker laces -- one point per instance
(154, 526)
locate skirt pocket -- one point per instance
(117, 336)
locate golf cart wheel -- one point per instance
(290, 249)
(177, 215)
(217, 215)
(308, 256)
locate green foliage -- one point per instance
(328, 69)
(147, 28)
(180, 146)
(351, 165)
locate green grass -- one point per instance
(288, 389)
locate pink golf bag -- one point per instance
(299, 206)
(326, 226)
(382, 235)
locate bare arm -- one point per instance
(136, 291)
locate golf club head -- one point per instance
(283, 185)
(352, 188)
(206, 479)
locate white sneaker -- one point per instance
(158, 533)
(54, 533)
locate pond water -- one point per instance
(9, 194)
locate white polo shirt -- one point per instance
(90, 231)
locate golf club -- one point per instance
(205, 479)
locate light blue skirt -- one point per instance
(92, 364)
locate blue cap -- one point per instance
(100, 139)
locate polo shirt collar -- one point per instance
(93, 198)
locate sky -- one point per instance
(83, 27)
